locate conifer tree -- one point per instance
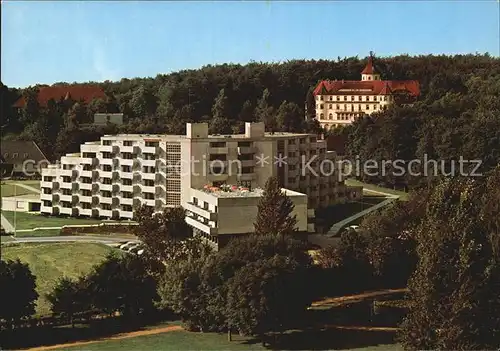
(275, 209)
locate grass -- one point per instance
(39, 233)
(183, 340)
(30, 220)
(49, 262)
(402, 195)
(175, 340)
(9, 189)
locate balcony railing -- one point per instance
(212, 216)
(246, 176)
(242, 150)
(217, 150)
(194, 222)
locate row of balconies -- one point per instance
(242, 150)
(193, 220)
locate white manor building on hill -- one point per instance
(216, 178)
(341, 102)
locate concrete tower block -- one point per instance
(196, 130)
(254, 130)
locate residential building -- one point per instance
(21, 159)
(218, 214)
(110, 177)
(341, 102)
(102, 119)
(76, 92)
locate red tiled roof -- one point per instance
(371, 87)
(369, 67)
(77, 92)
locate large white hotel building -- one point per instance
(216, 178)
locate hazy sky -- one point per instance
(47, 42)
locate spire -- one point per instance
(369, 66)
(369, 72)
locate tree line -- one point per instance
(443, 244)
(458, 97)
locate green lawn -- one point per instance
(182, 340)
(30, 220)
(49, 262)
(353, 182)
(9, 190)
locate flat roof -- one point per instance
(238, 191)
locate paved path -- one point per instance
(30, 188)
(331, 237)
(339, 225)
(72, 238)
(342, 300)
(117, 337)
(9, 228)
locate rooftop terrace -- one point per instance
(238, 191)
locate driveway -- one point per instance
(70, 238)
(9, 228)
(30, 188)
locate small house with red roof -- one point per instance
(341, 102)
(76, 92)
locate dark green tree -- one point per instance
(290, 117)
(123, 284)
(18, 289)
(268, 295)
(70, 297)
(454, 292)
(275, 212)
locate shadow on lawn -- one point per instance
(330, 339)
(22, 338)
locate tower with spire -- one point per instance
(369, 72)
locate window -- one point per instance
(106, 142)
(330, 106)
(321, 106)
(127, 181)
(26, 155)
(321, 97)
(246, 170)
(321, 116)
(338, 107)
(218, 144)
(317, 97)
(127, 143)
(367, 107)
(369, 77)
(330, 116)
(149, 182)
(345, 98)
(152, 144)
(15, 155)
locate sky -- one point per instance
(71, 41)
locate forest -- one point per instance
(457, 114)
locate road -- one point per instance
(30, 188)
(72, 238)
(331, 238)
(9, 228)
